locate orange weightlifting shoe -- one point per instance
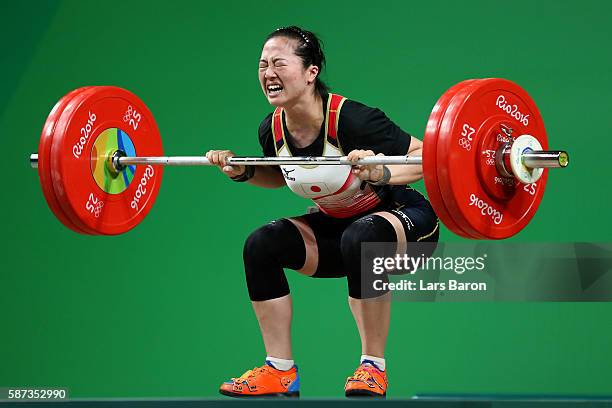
(264, 381)
(368, 381)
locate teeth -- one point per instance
(274, 88)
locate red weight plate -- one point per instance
(442, 155)
(430, 157)
(58, 135)
(480, 200)
(44, 150)
(96, 123)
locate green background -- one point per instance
(163, 310)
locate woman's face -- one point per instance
(282, 75)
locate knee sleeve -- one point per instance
(370, 228)
(267, 251)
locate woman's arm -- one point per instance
(268, 177)
(264, 176)
(400, 173)
(408, 174)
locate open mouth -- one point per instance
(274, 90)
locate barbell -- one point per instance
(100, 159)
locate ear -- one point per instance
(311, 74)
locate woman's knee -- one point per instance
(264, 260)
(360, 276)
(277, 243)
(366, 229)
(262, 240)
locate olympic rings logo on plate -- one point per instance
(465, 143)
(132, 117)
(98, 209)
(94, 205)
(128, 114)
(490, 156)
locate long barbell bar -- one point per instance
(532, 159)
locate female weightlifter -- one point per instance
(361, 203)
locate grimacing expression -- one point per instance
(282, 75)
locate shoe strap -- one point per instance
(364, 374)
(252, 373)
